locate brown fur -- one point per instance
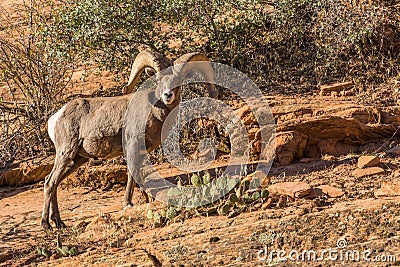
(92, 128)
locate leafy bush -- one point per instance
(284, 44)
(35, 77)
(337, 38)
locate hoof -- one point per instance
(146, 197)
(58, 222)
(60, 225)
(127, 205)
(46, 226)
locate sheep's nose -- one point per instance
(168, 95)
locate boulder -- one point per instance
(328, 89)
(27, 173)
(388, 189)
(368, 161)
(359, 173)
(292, 189)
(290, 146)
(331, 191)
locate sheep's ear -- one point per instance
(150, 71)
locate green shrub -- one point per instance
(35, 77)
(285, 44)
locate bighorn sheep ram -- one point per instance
(92, 127)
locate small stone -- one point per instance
(55, 256)
(268, 204)
(257, 206)
(316, 192)
(80, 224)
(5, 255)
(388, 189)
(292, 189)
(367, 161)
(368, 171)
(328, 158)
(95, 162)
(214, 239)
(331, 191)
(349, 184)
(282, 202)
(346, 93)
(305, 208)
(300, 211)
(328, 88)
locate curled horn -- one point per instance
(144, 60)
(205, 69)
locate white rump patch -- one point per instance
(51, 123)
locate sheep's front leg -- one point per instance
(135, 156)
(127, 202)
(130, 186)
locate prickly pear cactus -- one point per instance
(173, 192)
(195, 180)
(224, 209)
(73, 251)
(206, 177)
(171, 213)
(64, 250)
(256, 195)
(255, 183)
(150, 214)
(264, 193)
(43, 252)
(156, 217)
(238, 192)
(231, 183)
(245, 185)
(233, 198)
(196, 200)
(206, 192)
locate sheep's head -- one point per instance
(168, 78)
(169, 81)
(168, 88)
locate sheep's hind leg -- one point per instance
(55, 213)
(50, 188)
